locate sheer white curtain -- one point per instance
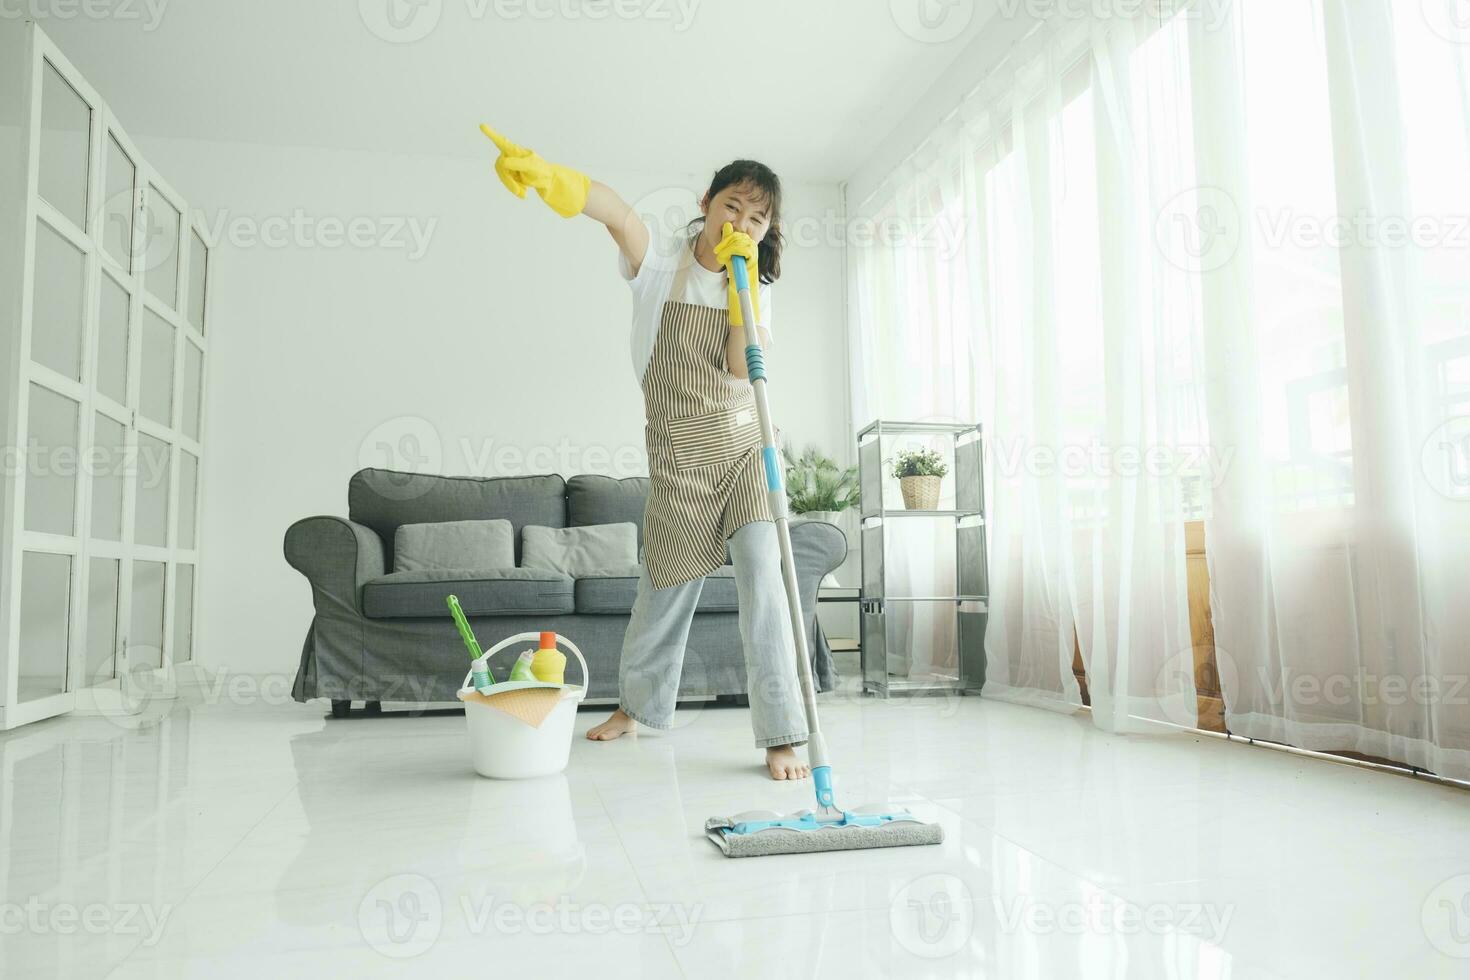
(1341, 338)
(1212, 267)
(909, 365)
(1062, 314)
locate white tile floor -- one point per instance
(262, 839)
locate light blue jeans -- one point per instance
(658, 632)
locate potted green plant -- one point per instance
(919, 472)
(817, 489)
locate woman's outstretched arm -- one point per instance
(569, 192)
(621, 221)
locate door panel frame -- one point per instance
(39, 51)
(81, 692)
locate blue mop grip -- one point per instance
(755, 358)
(822, 779)
(755, 363)
(755, 367)
(773, 468)
(742, 278)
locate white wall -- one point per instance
(505, 327)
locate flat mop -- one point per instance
(829, 827)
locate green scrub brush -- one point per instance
(480, 674)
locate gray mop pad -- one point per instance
(898, 833)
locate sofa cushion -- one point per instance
(482, 592)
(593, 499)
(578, 551)
(612, 591)
(454, 544)
(385, 499)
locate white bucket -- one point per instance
(503, 747)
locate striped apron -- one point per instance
(703, 437)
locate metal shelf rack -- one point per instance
(962, 444)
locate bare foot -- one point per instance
(617, 724)
(784, 763)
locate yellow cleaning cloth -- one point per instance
(530, 705)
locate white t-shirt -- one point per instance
(669, 271)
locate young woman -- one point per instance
(706, 487)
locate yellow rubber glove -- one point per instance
(738, 243)
(563, 189)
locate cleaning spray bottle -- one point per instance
(549, 664)
(522, 669)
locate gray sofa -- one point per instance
(381, 636)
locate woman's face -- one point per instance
(743, 205)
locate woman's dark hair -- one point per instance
(763, 179)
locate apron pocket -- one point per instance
(719, 437)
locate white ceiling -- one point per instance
(808, 86)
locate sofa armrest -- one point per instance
(337, 556)
(819, 548)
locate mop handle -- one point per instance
(755, 363)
